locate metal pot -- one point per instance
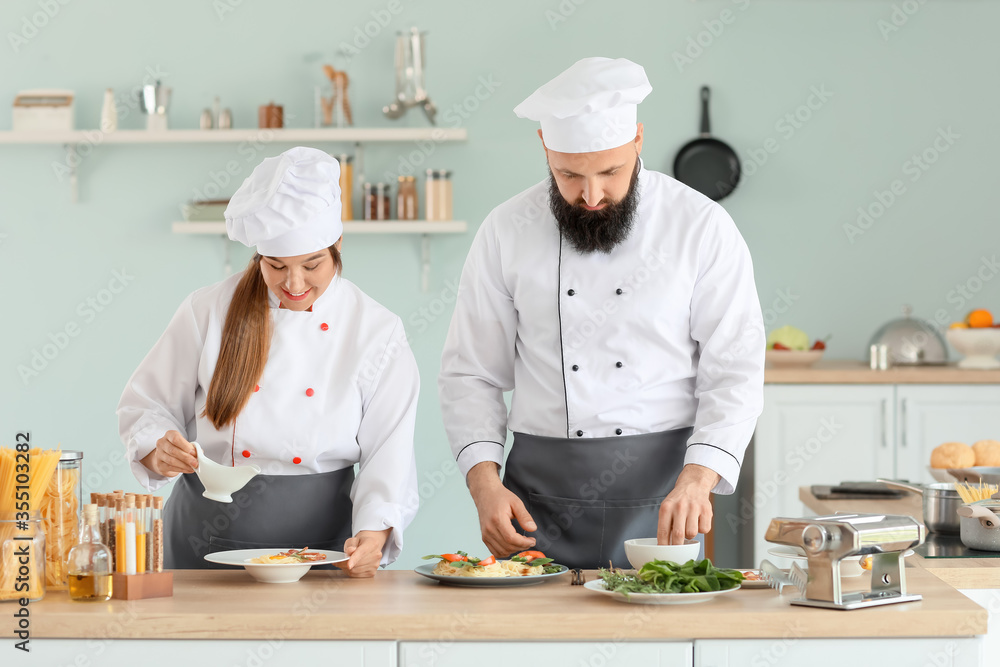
(911, 342)
(980, 526)
(940, 504)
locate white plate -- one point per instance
(656, 598)
(760, 583)
(427, 570)
(941, 475)
(853, 564)
(272, 573)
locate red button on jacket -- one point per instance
(310, 392)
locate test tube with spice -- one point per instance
(158, 533)
(120, 535)
(140, 534)
(130, 542)
(148, 529)
(98, 500)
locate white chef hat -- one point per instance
(589, 107)
(289, 205)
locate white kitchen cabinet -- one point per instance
(814, 434)
(174, 652)
(928, 415)
(792, 650)
(449, 653)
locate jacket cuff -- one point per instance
(379, 516)
(140, 445)
(717, 459)
(476, 452)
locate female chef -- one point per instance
(290, 367)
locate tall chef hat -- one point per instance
(589, 107)
(289, 205)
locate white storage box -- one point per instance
(43, 110)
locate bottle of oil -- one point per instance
(90, 563)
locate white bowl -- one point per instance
(284, 573)
(941, 474)
(792, 358)
(641, 551)
(979, 347)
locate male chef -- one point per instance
(619, 305)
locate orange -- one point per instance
(979, 318)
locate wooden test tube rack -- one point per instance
(142, 586)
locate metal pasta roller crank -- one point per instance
(827, 540)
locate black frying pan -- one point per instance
(706, 164)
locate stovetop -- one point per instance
(950, 546)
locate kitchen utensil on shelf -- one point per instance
(980, 528)
(707, 164)
(911, 341)
(220, 481)
(979, 347)
(410, 62)
(827, 540)
(270, 116)
(43, 110)
(337, 108)
(225, 119)
(940, 504)
(153, 101)
(109, 112)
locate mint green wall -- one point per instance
(892, 92)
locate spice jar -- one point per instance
(60, 514)
(406, 198)
(438, 194)
(22, 556)
(376, 201)
(346, 185)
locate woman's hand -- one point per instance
(365, 551)
(172, 456)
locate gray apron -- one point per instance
(271, 511)
(588, 495)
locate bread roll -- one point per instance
(987, 453)
(953, 455)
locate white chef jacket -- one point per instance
(664, 332)
(340, 387)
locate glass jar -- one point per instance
(438, 194)
(22, 556)
(89, 562)
(406, 198)
(376, 201)
(346, 186)
(60, 510)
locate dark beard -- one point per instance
(603, 230)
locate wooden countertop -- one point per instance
(845, 371)
(401, 605)
(956, 572)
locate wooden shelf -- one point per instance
(350, 227)
(286, 135)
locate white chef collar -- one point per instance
(289, 205)
(592, 106)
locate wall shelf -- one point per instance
(423, 227)
(286, 135)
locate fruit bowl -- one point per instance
(792, 358)
(979, 347)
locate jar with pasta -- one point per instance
(60, 508)
(22, 556)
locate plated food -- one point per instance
(290, 556)
(461, 569)
(665, 582)
(269, 565)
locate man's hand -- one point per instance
(687, 510)
(497, 506)
(365, 552)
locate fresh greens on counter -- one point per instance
(663, 576)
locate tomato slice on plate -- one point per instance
(489, 560)
(530, 555)
(451, 558)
